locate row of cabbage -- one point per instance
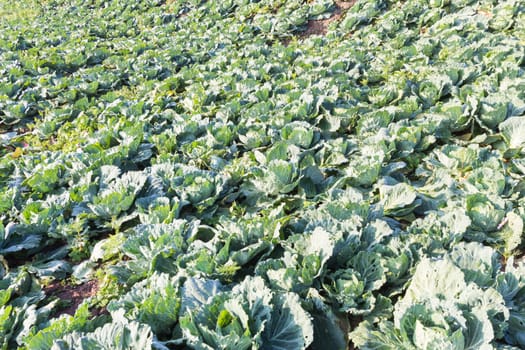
(233, 184)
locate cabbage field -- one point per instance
(262, 174)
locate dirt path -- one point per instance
(72, 294)
(320, 27)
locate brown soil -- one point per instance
(320, 27)
(74, 295)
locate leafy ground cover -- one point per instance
(271, 174)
